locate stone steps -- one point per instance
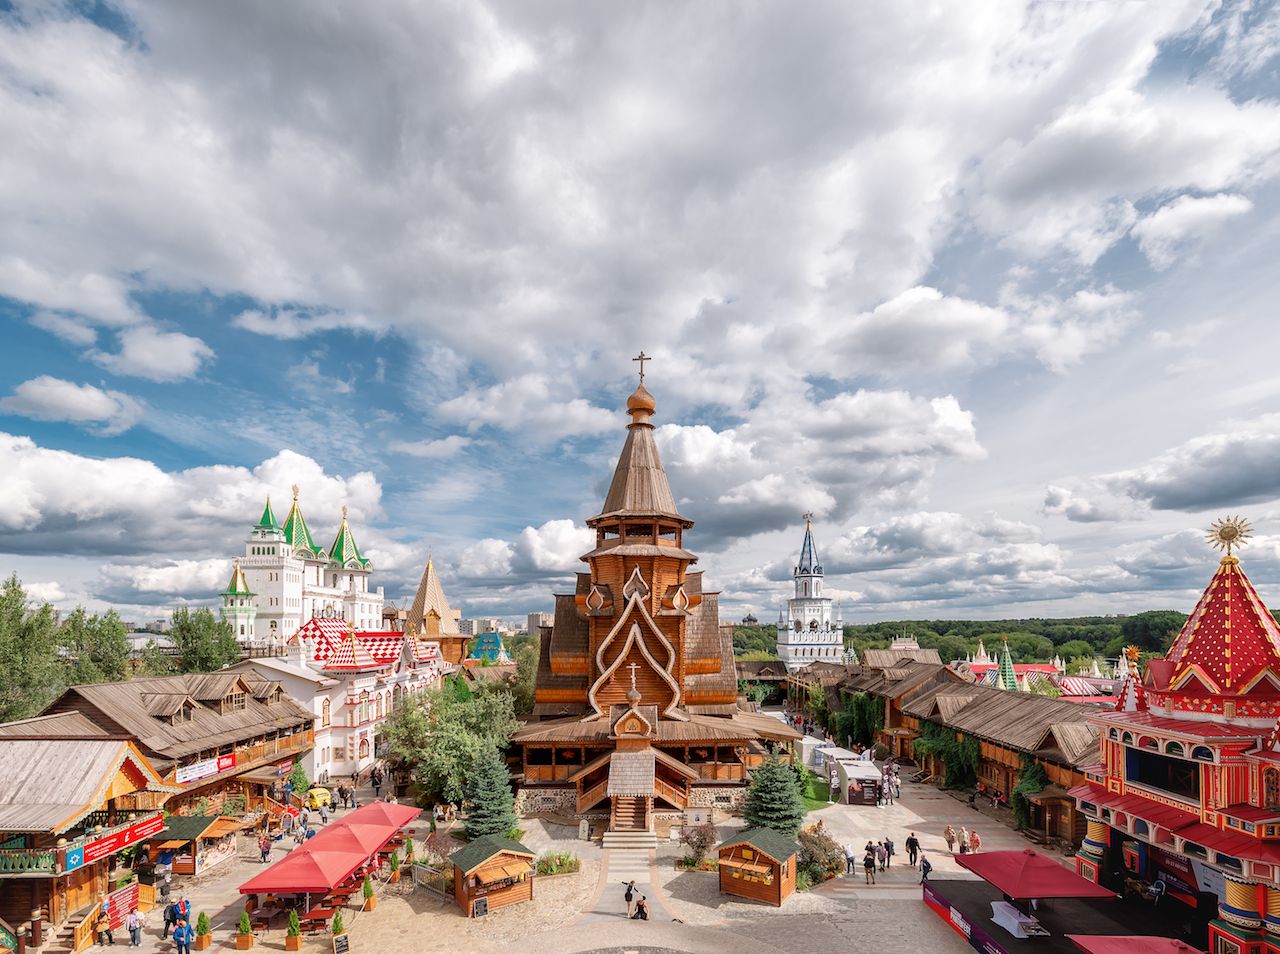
(630, 839)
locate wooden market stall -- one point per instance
(759, 864)
(490, 872)
(191, 844)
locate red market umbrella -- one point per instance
(1128, 943)
(383, 813)
(1026, 874)
(369, 837)
(305, 870)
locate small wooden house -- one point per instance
(490, 872)
(759, 864)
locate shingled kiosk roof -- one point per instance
(765, 840)
(471, 856)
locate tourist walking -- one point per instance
(974, 841)
(881, 855)
(850, 859)
(133, 924)
(264, 847)
(949, 836)
(170, 918)
(102, 925)
(630, 897)
(183, 935)
(375, 779)
(888, 851)
(869, 867)
(324, 814)
(963, 839)
(925, 868)
(913, 848)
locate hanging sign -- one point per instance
(189, 773)
(92, 851)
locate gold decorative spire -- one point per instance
(1229, 532)
(344, 513)
(294, 488)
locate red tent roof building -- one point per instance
(1189, 762)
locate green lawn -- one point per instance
(815, 793)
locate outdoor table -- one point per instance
(263, 917)
(1014, 921)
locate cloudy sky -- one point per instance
(990, 288)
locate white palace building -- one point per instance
(285, 579)
(806, 631)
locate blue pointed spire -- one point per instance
(808, 565)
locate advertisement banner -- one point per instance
(1177, 873)
(88, 853)
(189, 773)
(977, 936)
(120, 903)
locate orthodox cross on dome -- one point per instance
(642, 358)
(344, 511)
(1229, 532)
(808, 518)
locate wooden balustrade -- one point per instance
(24, 860)
(712, 772)
(672, 794)
(592, 795)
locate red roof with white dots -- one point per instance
(1230, 644)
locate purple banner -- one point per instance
(977, 937)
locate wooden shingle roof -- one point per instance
(631, 773)
(765, 840)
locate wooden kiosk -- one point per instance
(759, 864)
(490, 872)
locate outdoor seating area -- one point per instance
(325, 873)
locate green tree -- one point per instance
(298, 779)
(94, 648)
(437, 737)
(1153, 630)
(490, 808)
(773, 798)
(32, 675)
(526, 678)
(153, 662)
(204, 643)
(1075, 647)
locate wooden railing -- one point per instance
(670, 793)
(247, 755)
(593, 795)
(711, 772)
(24, 860)
(549, 773)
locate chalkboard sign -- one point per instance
(480, 907)
(341, 944)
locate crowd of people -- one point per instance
(962, 841)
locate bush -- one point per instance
(367, 888)
(295, 926)
(557, 862)
(803, 880)
(699, 839)
(246, 928)
(395, 861)
(338, 927)
(203, 927)
(820, 856)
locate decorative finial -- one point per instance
(808, 519)
(344, 512)
(295, 492)
(633, 667)
(642, 358)
(1229, 532)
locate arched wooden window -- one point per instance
(1174, 748)
(1271, 788)
(364, 748)
(1146, 742)
(1203, 753)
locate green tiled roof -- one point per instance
(184, 827)
(344, 549)
(297, 534)
(238, 585)
(767, 841)
(470, 857)
(268, 521)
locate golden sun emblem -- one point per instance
(1229, 533)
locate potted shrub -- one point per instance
(408, 850)
(244, 935)
(394, 877)
(204, 932)
(370, 902)
(338, 926)
(293, 933)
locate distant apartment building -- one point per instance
(537, 620)
(482, 624)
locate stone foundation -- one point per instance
(725, 799)
(547, 801)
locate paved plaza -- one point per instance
(585, 912)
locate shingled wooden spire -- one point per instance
(639, 486)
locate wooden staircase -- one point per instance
(630, 824)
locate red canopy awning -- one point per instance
(305, 870)
(335, 852)
(1026, 874)
(1128, 943)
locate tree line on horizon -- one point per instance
(1036, 639)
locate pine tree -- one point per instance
(488, 792)
(773, 799)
